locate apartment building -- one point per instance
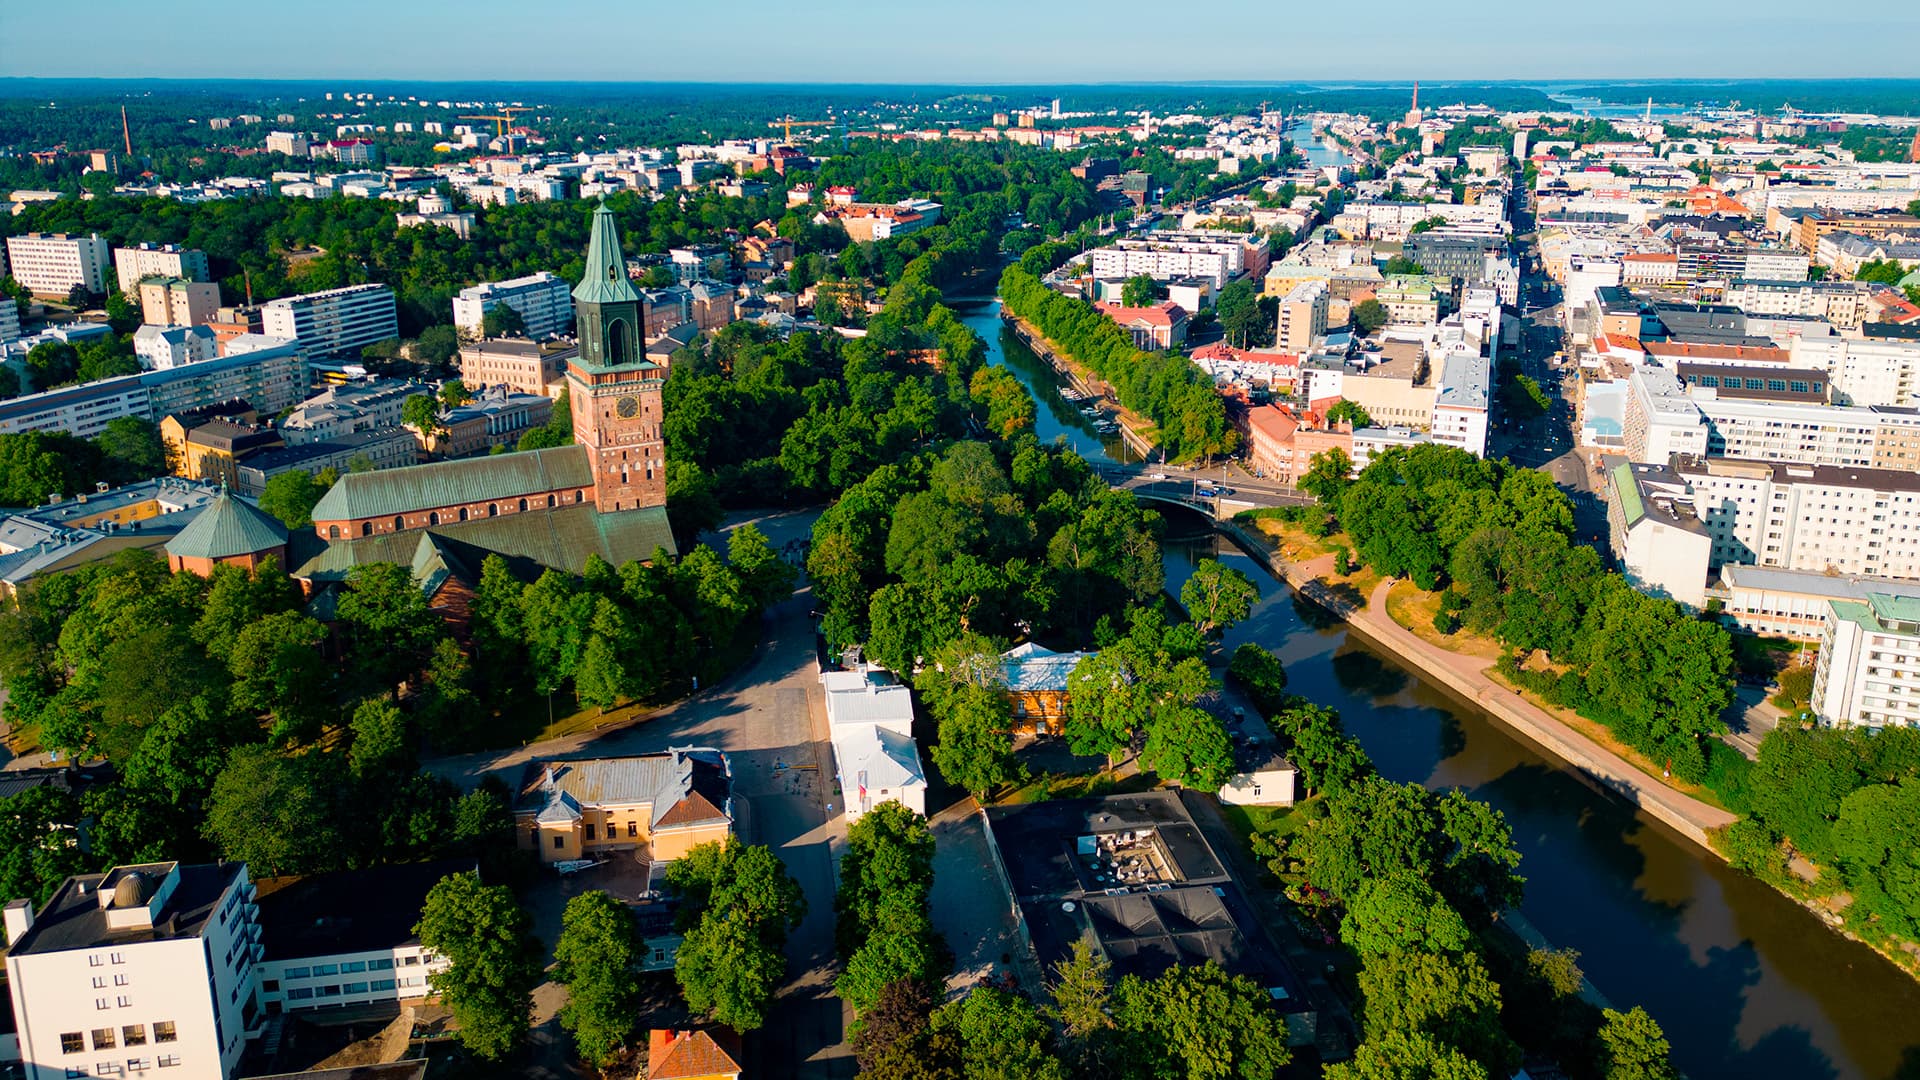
(51, 264)
(1659, 419)
(1807, 517)
(162, 347)
(1865, 371)
(1868, 674)
(132, 265)
(526, 367)
(1792, 603)
(1164, 255)
(1658, 540)
(343, 410)
(1302, 321)
(337, 323)
(1842, 303)
(144, 969)
(655, 805)
(290, 143)
(173, 301)
(1461, 403)
(268, 372)
(544, 301)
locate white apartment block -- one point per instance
(1842, 303)
(144, 970)
(1869, 669)
(1864, 371)
(1660, 420)
(9, 322)
(1792, 603)
(133, 264)
(1807, 517)
(161, 347)
(1302, 322)
(544, 301)
(1219, 259)
(1663, 417)
(1460, 407)
(290, 143)
(51, 264)
(1653, 531)
(334, 323)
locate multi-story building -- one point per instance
(342, 410)
(290, 143)
(1162, 326)
(544, 301)
(346, 939)
(178, 302)
(1807, 517)
(132, 265)
(1460, 406)
(1792, 603)
(1216, 255)
(268, 372)
(369, 450)
(161, 347)
(870, 721)
(9, 323)
(1868, 674)
(1660, 420)
(51, 264)
(1302, 320)
(1865, 371)
(1842, 303)
(658, 805)
(497, 417)
(143, 970)
(526, 367)
(1447, 254)
(1656, 537)
(334, 323)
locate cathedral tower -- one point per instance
(614, 390)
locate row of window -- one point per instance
(304, 993)
(134, 1065)
(350, 967)
(164, 1031)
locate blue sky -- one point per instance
(957, 41)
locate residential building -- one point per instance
(1807, 517)
(1868, 674)
(343, 410)
(1842, 303)
(1656, 537)
(1792, 603)
(1446, 253)
(132, 265)
(1411, 299)
(1036, 682)
(9, 324)
(1460, 405)
(346, 939)
(336, 322)
(290, 143)
(543, 300)
(163, 347)
(1865, 371)
(654, 807)
(495, 417)
(178, 302)
(1302, 321)
(375, 448)
(1218, 255)
(1162, 326)
(525, 367)
(1262, 776)
(696, 262)
(51, 264)
(870, 721)
(144, 967)
(1394, 385)
(268, 372)
(1660, 419)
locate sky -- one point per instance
(959, 41)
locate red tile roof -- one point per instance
(1165, 313)
(1688, 350)
(678, 1055)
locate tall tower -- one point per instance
(1413, 114)
(613, 389)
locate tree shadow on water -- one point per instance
(1361, 672)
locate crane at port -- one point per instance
(500, 119)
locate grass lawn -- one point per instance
(1414, 609)
(1041, 788)
(1292, 542)
(1273, 821)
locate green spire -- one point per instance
(606, 278)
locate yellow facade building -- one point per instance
(656, 805)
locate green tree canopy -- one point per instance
(598, 956)
(493, 961)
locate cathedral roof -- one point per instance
(386, 492)
(229, 526)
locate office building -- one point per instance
(336, 323)
(172, 301)
(1461, 404)
(145, 969)
(1302, 321)
(526, 367)
(1865, 371)
(1792, 603)
(51, 264)
(543, 300)
(1868, 674)
(346, 939)
(132, 265)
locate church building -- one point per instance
(604, 495)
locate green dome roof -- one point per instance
(228, 527)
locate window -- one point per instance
(411, 961)
(71, 1042)
(493, 509)
(399, 523)
(137, 1065)
(589, 832)
(549, 502)
(433, 518)
(382, 984)
(383, 964)
(95, 960)
(99, 1003)
(523, 506)
(168, 1061)
(559, 842)
(355, 988)
(350, 968)
(107, 1068)
(99, 982)
(366, 528)
(123, 1001)
(134, 1035)
(103, 1038)
(164, 1031)
(633, 828)
(298, 972)
(333, 532)
(299, 993)
(463, 513)
(119, 980)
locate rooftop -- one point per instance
(349, 911)
(697, 776)
(386, 492)
(229, 526)
(75, 919)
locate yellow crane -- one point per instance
(500, 119)
(788, 123)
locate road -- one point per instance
(770, 718)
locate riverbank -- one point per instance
(1137, 430)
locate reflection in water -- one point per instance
(1746, 983)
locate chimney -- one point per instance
(19, 919)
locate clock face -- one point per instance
(628, 407)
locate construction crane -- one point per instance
(501, 119)
(789, 123)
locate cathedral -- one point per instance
(604, 495)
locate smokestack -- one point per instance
(126, 132)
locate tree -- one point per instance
(436, 346)
(739, 903)
(1200, 1023)
(1260, 675)
(976, 748)
(1369, 315)
(389, 627)
(123, 315)
(291, 497)
(453, 394)
(39, 843)
(1449, 998)
(421, 413)
(1238, 309)
(1406, 1055)
(1328, 477)
(1401, 911)
(1082, 991)
(503, 320)
(902, 946)
(131, 449)
(889, 853)
(493, 961)
(382, 740)
(1190, 746)
(1217, 596)
(767, 578)
(275, 813)
(278, 670)
(893, 1038)
(1140, 290)
(998, 1036)
(1632, 1047)
(1348, 412)
(597, 955)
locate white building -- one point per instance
(870, 720)
(1660, 419)
(290, 143)
(1217, 261)
(346, 939)
(130, 265)
(1460, 406)
(160, 347)
(1842, 303)
(1792, 603)
(1808, 517)
(1302, 321)
(544, 301)
(9, 322)
(53, 263)
(1654, 533)
(1869, 669)
(339, 411)
(1864, 371)
(144, 970)
(334, 323)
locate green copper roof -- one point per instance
(560, 538)
(606, 277)
(450, 483)
(228, 527)
(1628, 490)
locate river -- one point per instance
(1746, 983)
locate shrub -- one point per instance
(1446, 621)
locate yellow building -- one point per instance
(210, 448)
(655, 805)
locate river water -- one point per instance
(1746, 983)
